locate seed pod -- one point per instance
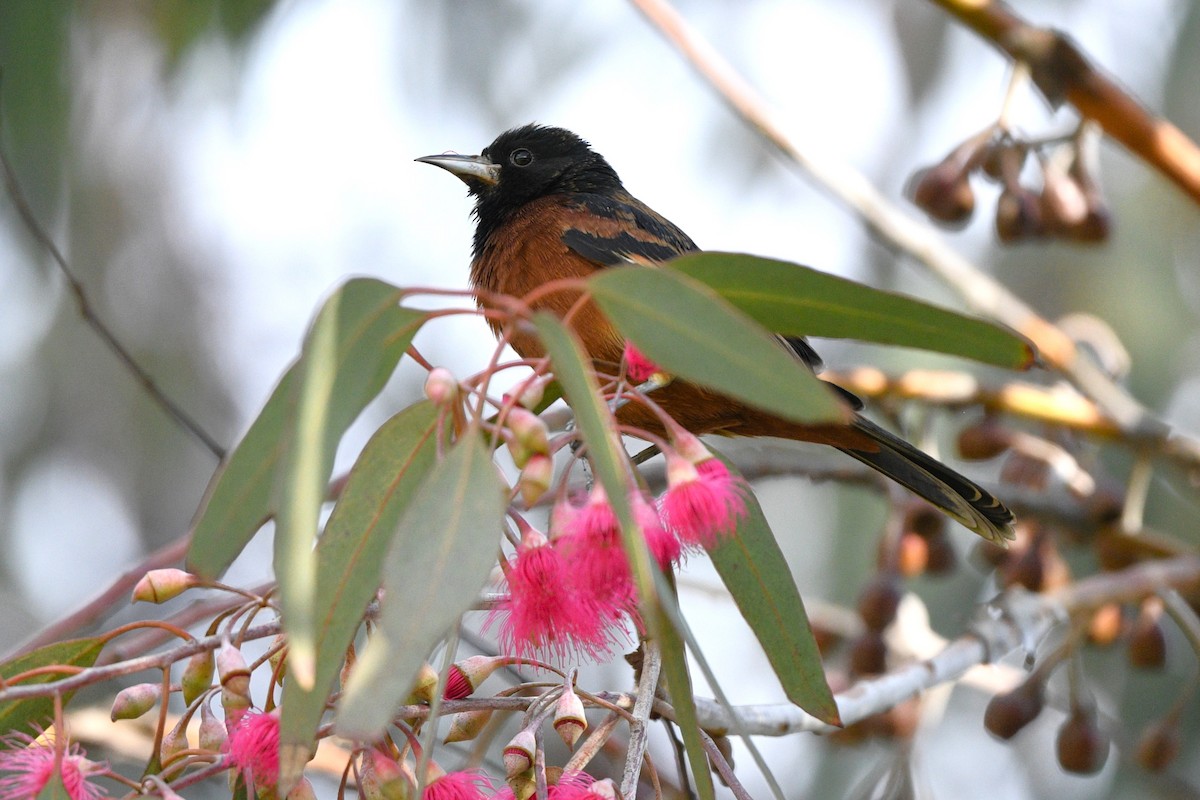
(1159, 744)
(912, 554)
(1063, 205)
(984, 440)
(878, 601)
(943, 193)
(1008, 713)
(1147, 640)
(1082, 746)
(868, 654)
(943, 558)
(1018, 215)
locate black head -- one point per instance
(524, 164)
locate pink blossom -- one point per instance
(29, 765)
(574, 786)
(637, 366)
(544, 610)
(703, 501)
(664, 545)
(599, 566)
(467, 785)
(253, 747)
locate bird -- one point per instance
(549, 207)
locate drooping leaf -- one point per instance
(350, 558)
(679, 682)
(24, 715)
(758, 577)
(572, 369)
(440, 557)
(684, 327)
(350, 351)
(800, 301)
(239, 499)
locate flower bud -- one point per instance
(441, 387)
(235, 683)
(466, 675)
(1159, 744)
(878, 601)
(425, 685)
(1008, 713)
(160, 585)
(519, 753)
(197, 676)
(527, 435)
(466, 725)
(174, 741)
(535, 479)
(278, 657)
(382, 778)
(569, 718)
(529, 392)
(1081, 745)
(132, 702)
(212, 730)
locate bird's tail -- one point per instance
(957, 496)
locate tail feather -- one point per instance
(954, 494)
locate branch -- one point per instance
(1062, 71)
(1014, 620)
(916, 239)
(92, 318)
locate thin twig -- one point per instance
(88, 312)
(638, 728)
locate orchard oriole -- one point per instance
(547, 207)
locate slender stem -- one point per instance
(638, 727)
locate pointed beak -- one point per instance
(472, 170)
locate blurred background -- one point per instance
(213, 169)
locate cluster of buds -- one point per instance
(1069, 204)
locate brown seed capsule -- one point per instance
(1158, 745)
(878, 601)
(1028, 569)
(1081, 745)
(868, 654)
(1004, 160)
(1147, 640)
(1062, 202)
(983, 440)
(1008, 713)
(943, 558)
(944, 193)
(1018, 215)
(1097, 222)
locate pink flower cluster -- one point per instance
(28, 764)
(569, 593)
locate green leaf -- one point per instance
(23, 715)
(760, 581)
(794, 300)
(572, 370)
(679, 684)
(350, 351)
(239, 499)
(54, 788)
(685, 328)
(444, 548)
(350, 558)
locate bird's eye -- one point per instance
(521, 157)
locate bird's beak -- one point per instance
(472, 170)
